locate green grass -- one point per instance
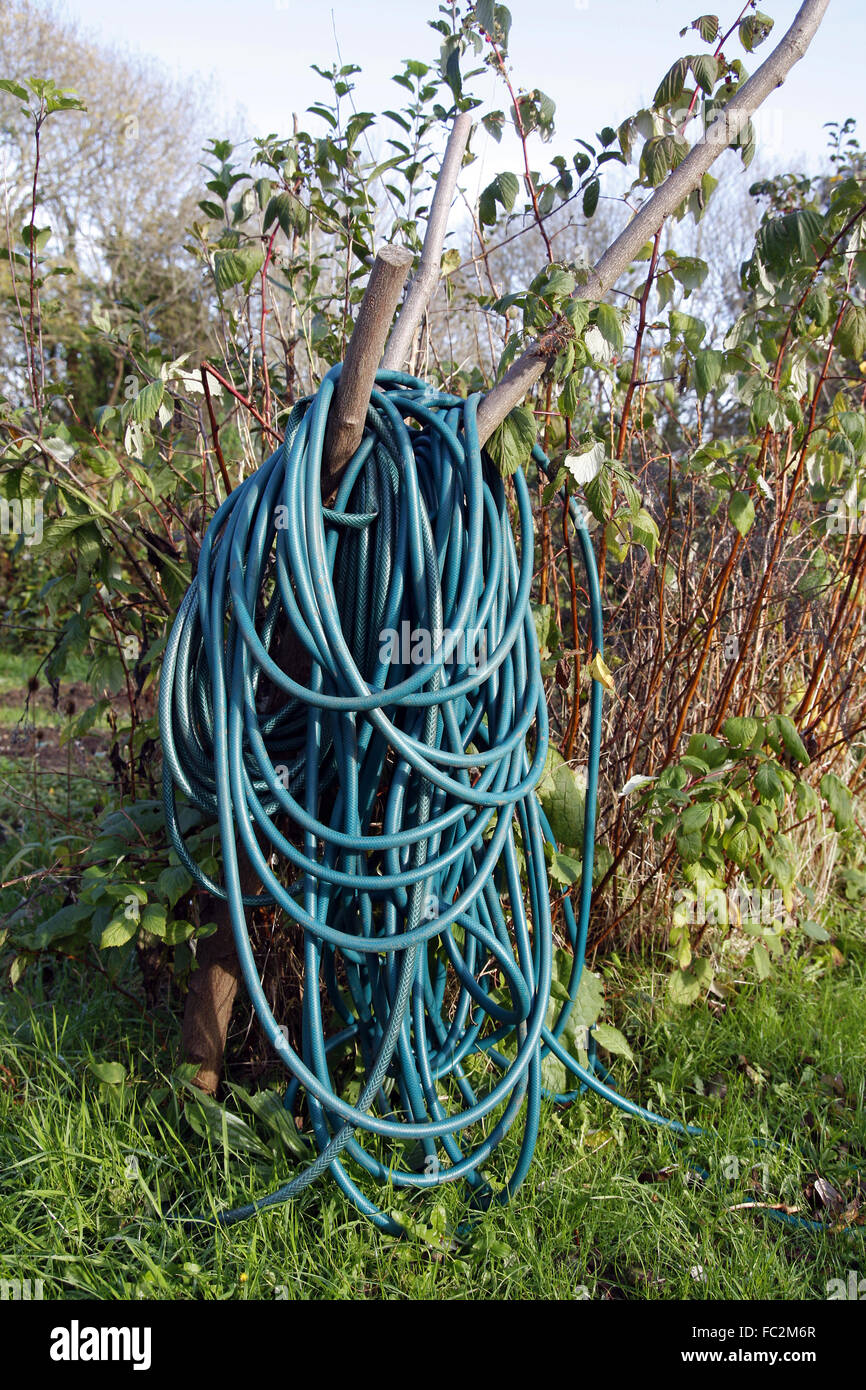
(611, 1207)
(17, 667)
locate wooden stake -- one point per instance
(349, 410)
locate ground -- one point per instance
(94, 1172)
(103, 1148)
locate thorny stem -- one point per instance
(521, 131)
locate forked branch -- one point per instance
(728, 125)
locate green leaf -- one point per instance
(656, 159)
(645, 532)
(632, 497)
(268, 1107)
(577, 312)
(686, 986)
(118, 932)
(761, 960)
(815, 931)
(817, 305)
(741, 843)
(706, 70)
(741, 510)
(807, 799)
(451, 260)
(690, 845)
(14, 88)
(237, 266)
(784, 729)
(853, 426)
(754, 29)
(590, 992)
(223, 1127)
(708, 370)
(172, 883)
(590, 197)
(503, 190)
(562, 794)
(289, 211)
(68, 922)
(485, 16)
(109, 1073)
(153, 919)
(569, 396)
(782, 870)
(599, 493)
(690, 271)
(148, 401)
(687, 327)
(553, 283)
(511, 444)
(695, 817)
(34, 236)
(612, 1040)
(493, 124)
(176, 931)
(610, 325)
(839, 799)
(487, 207)
(708, 748)
(553, 487)
(851, 333)
(768, 785)
(565, 869)
(741, 732)
(695, 765)
(707, 26)
(449, 65)
(792, 236)
(506, 187)
(672, 84)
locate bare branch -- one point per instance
(422, 287)
(730, 123)
(363, 354)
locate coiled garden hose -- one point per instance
(386, 801)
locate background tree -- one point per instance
(117, 186)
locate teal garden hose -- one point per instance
(386, 800)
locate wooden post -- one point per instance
(214, 984)
(363, 355)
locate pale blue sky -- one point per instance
(598, 59)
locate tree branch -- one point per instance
(363, 354)
(422, 287)
(529, 367)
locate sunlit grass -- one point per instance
(92, 1173)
